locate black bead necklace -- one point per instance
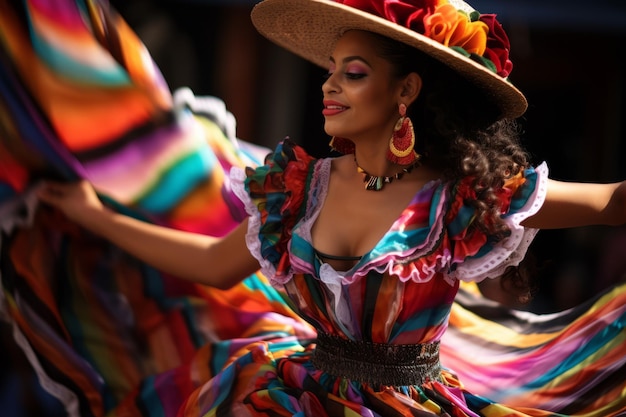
(377, 183)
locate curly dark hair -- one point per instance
(461, 132)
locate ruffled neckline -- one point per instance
(302, 230)
(433, 236)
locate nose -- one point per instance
(330, 85)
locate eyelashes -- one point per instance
(348, 75)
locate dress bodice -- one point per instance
(366, 302)
(401, 291)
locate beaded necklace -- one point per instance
(377, 183)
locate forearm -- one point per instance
(194, 257)
(165, 249)
(580, 204)
(219, 262)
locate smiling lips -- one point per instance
(332, 108)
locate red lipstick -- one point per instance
(332, 108)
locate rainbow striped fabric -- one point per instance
(573, 361)
(81, 97)
(109, 336)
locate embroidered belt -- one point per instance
(377, 363)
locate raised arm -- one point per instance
(218, 262)
(570, 204)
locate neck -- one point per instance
(377, 182)
(373, 160)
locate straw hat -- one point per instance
(450, 31)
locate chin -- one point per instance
(330, 132)
(333, 131)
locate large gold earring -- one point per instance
(341, 145)
(401, 145)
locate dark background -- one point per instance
(568, 60)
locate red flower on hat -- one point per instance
(498, 45)
(467, 32)
(410, 15)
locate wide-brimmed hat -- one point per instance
(451, 31)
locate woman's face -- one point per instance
(361, 95)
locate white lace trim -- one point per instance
(317, 193)
(237, 177)
(213, 107)
(334, 280)
(511, 250)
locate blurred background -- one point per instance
(567, 60)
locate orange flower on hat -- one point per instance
(452, 27)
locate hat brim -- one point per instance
(310, 28)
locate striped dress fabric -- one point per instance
(404, 291)
(108, 335)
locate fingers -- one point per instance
(53, 192)
(78, 201)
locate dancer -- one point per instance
(433, 189)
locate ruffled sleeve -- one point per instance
(476, 255)
(274, 195)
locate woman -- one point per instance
(371, 246)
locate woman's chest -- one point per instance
(349, 228)
(350, 222)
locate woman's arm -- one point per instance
(218, 262)
(570, 204)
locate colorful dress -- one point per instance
(379, 325)
(107, 335)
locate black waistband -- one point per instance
(377, 363)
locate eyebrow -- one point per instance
(351, 58)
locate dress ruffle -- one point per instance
(434, 234)
(521, 198)
(274, 198)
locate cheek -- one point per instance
(377, 106)
(366, 93)
(370, 100)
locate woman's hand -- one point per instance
(77, 200)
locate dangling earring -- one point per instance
(401, 145)
(342, 145)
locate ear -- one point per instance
(411, 87)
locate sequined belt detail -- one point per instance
(377, 363)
